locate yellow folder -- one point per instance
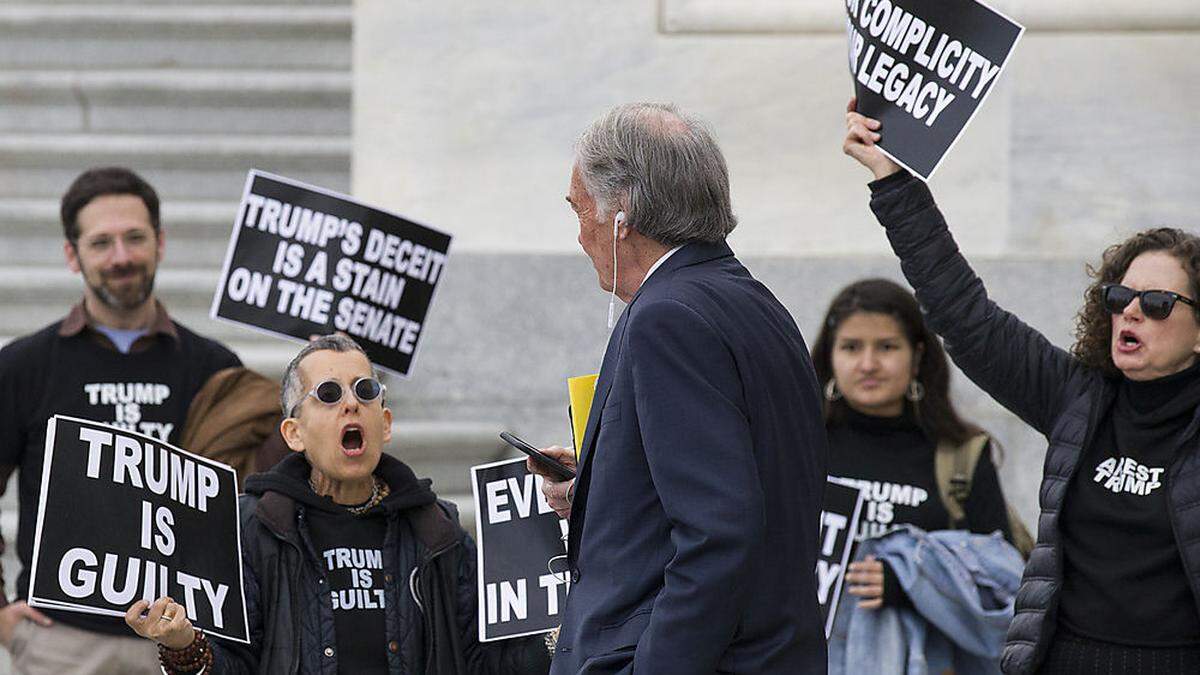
(580, 390)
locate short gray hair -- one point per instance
(291, 393)
(668, 167)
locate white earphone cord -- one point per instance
(612, 296)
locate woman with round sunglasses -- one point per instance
(888, 414)
(1114, 582)
(351, 563)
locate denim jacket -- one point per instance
(962, 587)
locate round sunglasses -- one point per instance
(1156, 304)
(330, 392)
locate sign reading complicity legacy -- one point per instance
(304, 261)
(123, 516)
(923, 68)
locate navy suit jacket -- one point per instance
(693, 537)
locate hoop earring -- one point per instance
(831, 391)
(916, 391)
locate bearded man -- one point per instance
(117, 357)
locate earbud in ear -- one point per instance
(618, 220)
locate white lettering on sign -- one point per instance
(506, 601)
(151, 467)
(80, 572)
(522, 493)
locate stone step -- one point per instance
(445, 451)
(269, 354)
(177, 101)
(127, 35)
(337, 3)
(183, 244)
(181, 167)
(200, 230)
(33, 297)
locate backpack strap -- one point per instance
(954, 466)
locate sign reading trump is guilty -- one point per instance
(305, 261)
(123, 517)
(923, 68)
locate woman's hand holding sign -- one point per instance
(861, 135)
(165, 622)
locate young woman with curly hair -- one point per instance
(1113, 584)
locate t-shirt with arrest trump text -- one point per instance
(1123, 575)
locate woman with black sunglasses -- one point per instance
(1114, 582)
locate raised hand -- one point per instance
(861, 135)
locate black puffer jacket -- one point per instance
(1042, 384)
(430, 583)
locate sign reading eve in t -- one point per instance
(923, 68)
(304, 261)
(522, 558)
(839, 521)
(123, 516)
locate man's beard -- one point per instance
(130, 297)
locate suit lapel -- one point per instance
(603, 386)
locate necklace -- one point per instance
(379, 490)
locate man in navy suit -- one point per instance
(693, 519)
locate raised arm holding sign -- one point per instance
(1136, 349)
(923, 67)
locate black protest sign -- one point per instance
(839, 522)
(522, 586)
(123, 517)
(305, 261)
(923, 68)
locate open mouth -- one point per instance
(352, 440)
(1127, 341)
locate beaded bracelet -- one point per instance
(192, 658)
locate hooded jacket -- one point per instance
(430, 585)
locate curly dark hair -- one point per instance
(935, 414)
(1093, 325)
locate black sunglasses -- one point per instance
(330, 392)
(1156, 305)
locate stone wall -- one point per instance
(465, 114)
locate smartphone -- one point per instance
(556, 468)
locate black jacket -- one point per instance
(289, 608)
(1042, 384)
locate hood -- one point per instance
(290, 478)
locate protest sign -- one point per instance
(520, 541)
(839, 521)
(304, 261)
(123, 516)
(923, 68)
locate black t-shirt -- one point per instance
(46, 374)
(350, 550)
(1123, 577)
(892, 460)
